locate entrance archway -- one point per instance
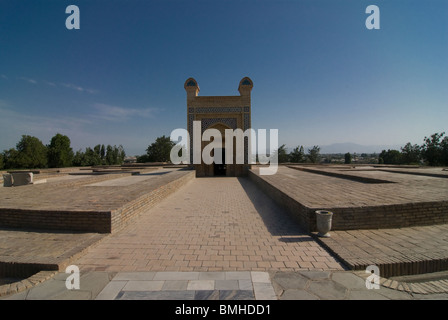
(220, 169)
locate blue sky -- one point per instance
(319, 75)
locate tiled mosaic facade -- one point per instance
(229, 112)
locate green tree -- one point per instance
(87, 158)
(102, 152)
(1, 162)
(60, 154)
(410, 154)
(432, 149)
(444, 145)
(314, 154)
(31, 153)
(348, 158)
(391, 156)
(97, 150)
(91, 158)
(9, 158)
(297, 155)
(109, 155)
(159, 151)
(281, 154)
(121, 154)
(115, 153)
(143, 158)
(78, 158)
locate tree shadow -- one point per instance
(276, 219)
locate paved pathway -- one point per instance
(212, 224)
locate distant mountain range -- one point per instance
(353, 147)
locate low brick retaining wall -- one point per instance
(27, 283)
(121, 216)
(89, 220)
(302, 214)
(367, 217)
(24, 269)
(86, 221)
(390, 216)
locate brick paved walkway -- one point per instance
(212, 224)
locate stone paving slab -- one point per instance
(188, 286)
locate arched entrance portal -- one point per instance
(220, 167)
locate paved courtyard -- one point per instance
(221, 238)
(211, 224)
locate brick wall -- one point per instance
(23, 269)
(390, 216)
(86, 221)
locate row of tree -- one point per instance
(297, 155)
(159, 151)
(31, 153)
(99, 155)
(433, 152)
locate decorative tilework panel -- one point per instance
(207, 122)
(218, 109)
(246, 121)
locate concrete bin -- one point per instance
(22, 178)
(7, 180)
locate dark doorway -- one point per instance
(220, 169)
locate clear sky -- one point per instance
(320, 76)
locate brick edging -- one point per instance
(19, 286)
(428, 287)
